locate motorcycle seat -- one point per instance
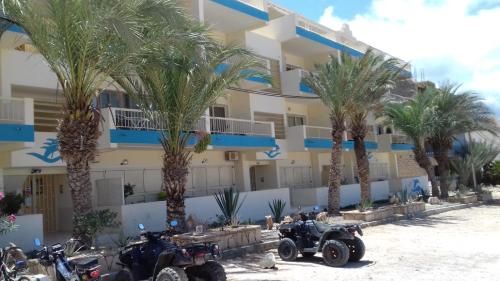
(84, 262)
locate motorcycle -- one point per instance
(12, 263)
(156, 258)
(85, 269)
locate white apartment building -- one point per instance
(267, 142)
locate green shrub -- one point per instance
(229, 204)
(364, 205)
(11, 203)
(95, 222)
(128, 190)
(277, 208)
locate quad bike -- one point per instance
(154, 257)
(338, 244)
(84, 269)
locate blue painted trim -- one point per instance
(16, 28)
(330, 43)
(244, 8)
(17, 133)
(222, 140)
(402, 146)
(242, 141)
(304, 88)
(257, 79)
(327, 144)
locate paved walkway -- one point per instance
(457, 245)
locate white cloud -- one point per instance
(448, 39)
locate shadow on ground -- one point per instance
(429, 221)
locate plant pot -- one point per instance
(463, 199)
(410, 208)
(226, 239)
(369, 215)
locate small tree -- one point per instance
(7, 221)
(93, 223)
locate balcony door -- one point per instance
(218, 125)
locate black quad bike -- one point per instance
(155, 258)
(338, 243)
(82, 269)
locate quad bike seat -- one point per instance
(84, 262)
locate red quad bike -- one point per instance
(155, 258)
(338, 243)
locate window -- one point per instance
(277, 119)
(217, 111)
(295, 120)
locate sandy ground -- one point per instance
(457, 245)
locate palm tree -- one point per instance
(84, 43)
(333, 83)
(376, 76)
(174, 87)
(415, 119)
(472, 157)
(456, 113)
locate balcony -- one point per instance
(130, 127)
(16, 123)
(253, 82)
(237, 14)
(292, 82)
(305, 38)
(394, 142)
(304, 138)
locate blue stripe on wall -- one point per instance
(327, 144)
(242, 141)
(153, 137)
(223, 67)
(303, 88)
(15, 28)
(244, 8)
(322, 40)
(17, 133)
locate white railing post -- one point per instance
(207, 121)
(273, 133)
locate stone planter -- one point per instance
(410, 208)
(227, 239)
(463, 199)
(370, 215)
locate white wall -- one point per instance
(263, 46)
(153, 214)
(379, 190)
(267, 104)
(29, 228)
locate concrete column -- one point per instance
(2, 188)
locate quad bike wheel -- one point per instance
(287, 249)
(209, 271)
(124, 275)
(172, 274)
(335, 253)
(356, 249)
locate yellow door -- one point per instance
(40, 197)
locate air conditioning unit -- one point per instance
(232, 156)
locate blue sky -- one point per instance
(456, 40)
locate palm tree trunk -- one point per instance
(363, 166)
(335, 175)
(425, 163)
(77, 140)
(81, 192)
(441, 155)
(175, 172)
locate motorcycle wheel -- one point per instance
(124, 275)
(287, 249)
(172, 274)
(209, 271)
(356, 249)
(335, 253)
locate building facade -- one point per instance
(269, 141)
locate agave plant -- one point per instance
(229, 204)
(277, 207)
